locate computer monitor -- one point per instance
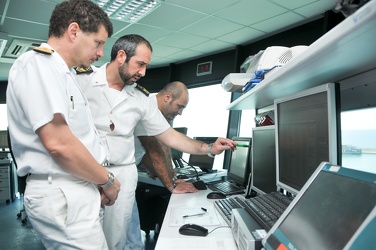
(240, 161)
(4, 140)
(263, 160)
(176, 155)
(204, 162)
(307, 133)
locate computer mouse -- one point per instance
(216, 195)
(193, 230)
(182, 176)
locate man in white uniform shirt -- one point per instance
(118, 104)
(171, 100)
(53, 136)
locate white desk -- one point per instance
(169, 237)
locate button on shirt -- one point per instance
(116, 115)
(40, 86)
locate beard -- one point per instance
(125, 76)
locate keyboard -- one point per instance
(226, 187)
(225, 206)
(266, 208)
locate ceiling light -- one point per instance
(128, 10)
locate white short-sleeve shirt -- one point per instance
(121, 112)
(40, 86)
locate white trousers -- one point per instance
(64, 210)
(117, 218)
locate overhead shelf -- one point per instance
(346, 50)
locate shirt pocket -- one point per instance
(79, 121)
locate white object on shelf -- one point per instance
(234, 82)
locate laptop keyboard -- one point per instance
(225, 206)
(267, 208)
(226, 187)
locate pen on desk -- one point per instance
(242, 145)
(191, 215)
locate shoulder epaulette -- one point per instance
(44, 50)
(80, 70)
(142, 89)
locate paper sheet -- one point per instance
(207, 243)
(208, 218)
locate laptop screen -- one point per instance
(240, 162)
(204, 162)
(329, 211)
(175, 154)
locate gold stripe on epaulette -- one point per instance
(142, 89)
(44, 50)
(80, 70)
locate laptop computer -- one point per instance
(239, 169)
(335, 209)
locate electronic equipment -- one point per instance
(204, 162)
(270, 60)
(4, 139)
(247, 233)
(307, 133)
(239, 169)
(335, 209)
(240, 161)
(175, 154)
(263, 160)
(273, 57)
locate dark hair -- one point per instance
(128, 43)
(87, 14)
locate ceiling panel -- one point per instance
(208, 7)
(205, 27)
(278, 22)
(178, 30)
(250, 12)
(172, 17)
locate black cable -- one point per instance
(181, 158)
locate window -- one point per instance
(206, 115)
(358, 129)
(4, 117)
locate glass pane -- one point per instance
(3, 117)
(206, 115)
(359, 139)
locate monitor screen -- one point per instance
(240, 162)
(328, 213)
(306, 134)
(204, 162)
(4, 139)
(175, 154)
(263, 159)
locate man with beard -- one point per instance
(117, 104)
(155, 156)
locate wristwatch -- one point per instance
(173, 187)
(111, 179)
(208, 150)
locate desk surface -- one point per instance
(169, 237)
